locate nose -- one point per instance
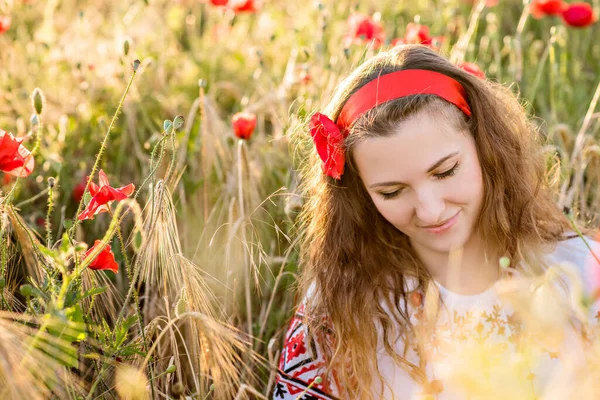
(430, 208)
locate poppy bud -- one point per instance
(68, 224)
(37, 98)
(168, 126)
(243, 124)
(177, 390)
(171, 369)
(579, 15)
(126, 47)
(178, 122)
(26, 290)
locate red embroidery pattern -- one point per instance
(300, 364)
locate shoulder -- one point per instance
(582, 253)
(575, 249)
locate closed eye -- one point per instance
(442, 175)
(391, 195)
(448, 173)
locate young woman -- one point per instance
(424, 177)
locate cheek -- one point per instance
(469, 188)
(394, 211)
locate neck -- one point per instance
(468, 270)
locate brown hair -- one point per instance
(356, 263)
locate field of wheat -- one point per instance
(148, 194)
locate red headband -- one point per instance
(329, 136)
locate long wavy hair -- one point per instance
(355, 265)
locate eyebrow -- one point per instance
(429, 170)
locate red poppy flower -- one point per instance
(542, 8)
(418, 34)
(472, 68)
(103, 195)
(329, 141)
(364, 28)
(248, 6)
(579, 15)
(15, 159)
(78, 190)
(4, 23)
(219, 2)
(103, 261)
(243, 124)
(6, 179)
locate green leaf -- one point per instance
(87, 198)
(137, 243)
(93, 292)
(64, 244)
(181, 306)
(46, 251)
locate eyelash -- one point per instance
(443, 175)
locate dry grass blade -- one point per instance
(27, 241)
(157, 259)
(210, 352)
(31, 368)
(217, 353)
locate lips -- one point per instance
(444, 226)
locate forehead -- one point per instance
(417, 143)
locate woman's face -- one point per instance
(425, 180)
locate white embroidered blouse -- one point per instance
(475, 348)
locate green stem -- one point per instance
(240, 168)
(172, 164)
(48, 215)
(79, 268)
(135, 272)
(100, 154)
(32, 199)
(135, 297)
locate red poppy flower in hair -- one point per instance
(329, 136)
(329, 142)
